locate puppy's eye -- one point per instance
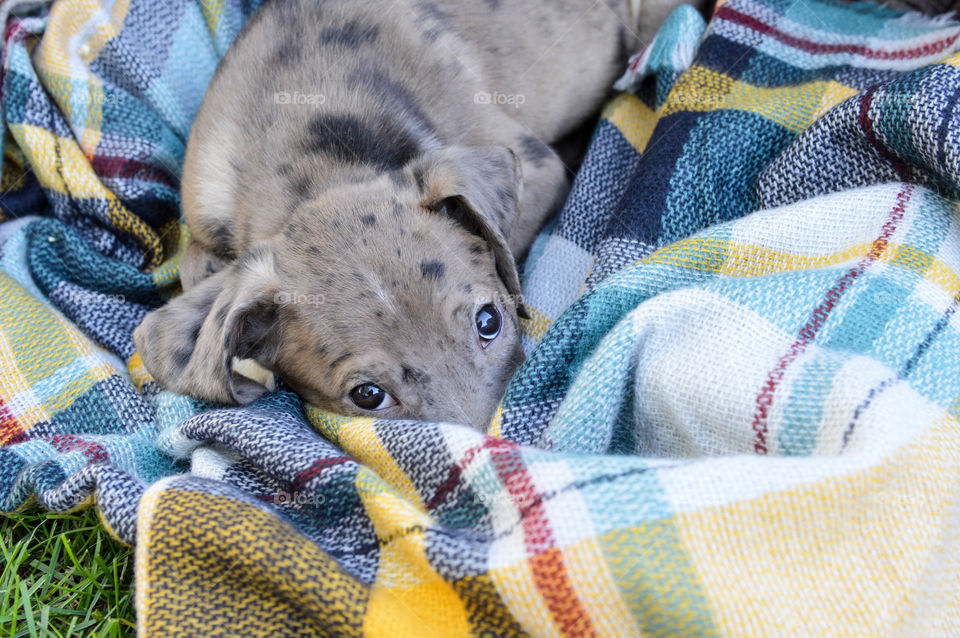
(488, 324)
(369, 396)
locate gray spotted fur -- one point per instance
(329, 137)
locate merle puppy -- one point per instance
(357, 184)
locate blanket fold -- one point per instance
(739, 411)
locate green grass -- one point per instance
(62, 575)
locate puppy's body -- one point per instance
(395, 79)
(357, 183)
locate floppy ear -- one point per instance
(189, 345)
(479, 187)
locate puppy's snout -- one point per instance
(478, 411)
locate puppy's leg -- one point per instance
(197, 264)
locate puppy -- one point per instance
(357, 184)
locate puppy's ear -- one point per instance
(189, 344)
(479, 188)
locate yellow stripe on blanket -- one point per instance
(633, 119)
(857, 546)
(190, 574)
(953, 60)
(516, 586)
(15, 392)
(60, 165)
(794, 107)
(359, 439)
(537, 325)
(46, 351)
(834, 94)
(748, 260)
(68, 18)
(408, 597)
(62, 54)
(212, 12)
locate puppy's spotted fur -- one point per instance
(357, 183)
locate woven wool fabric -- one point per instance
(739, 413)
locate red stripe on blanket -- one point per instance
(453, 477)
(546, 561)
(315, 470)
(820, 48)
(94, 451)
(902, 168)
(819, 317)
(10, 429)
(122, 167)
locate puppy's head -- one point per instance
(395, 296)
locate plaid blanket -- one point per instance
(739, 413)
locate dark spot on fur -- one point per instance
(287, 54)
(378, 314)
(413, 375)
(183, 353)
(398, 178)
(313, 250)
(369, 220)
(475, 262)
(394, 96)
(358, 276)
(477, 249)
(221, 316)
(435, 21)
(343, 357)
(383, 144)
(350, 35)
(296, 229)
(301, 187)
(398, 252)
(432, 269)
(181, 356)
(419, 178)
(467, 288)
(534, 150)
(284, 169)
(320, 350)
(253, 331)
(221, 239)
